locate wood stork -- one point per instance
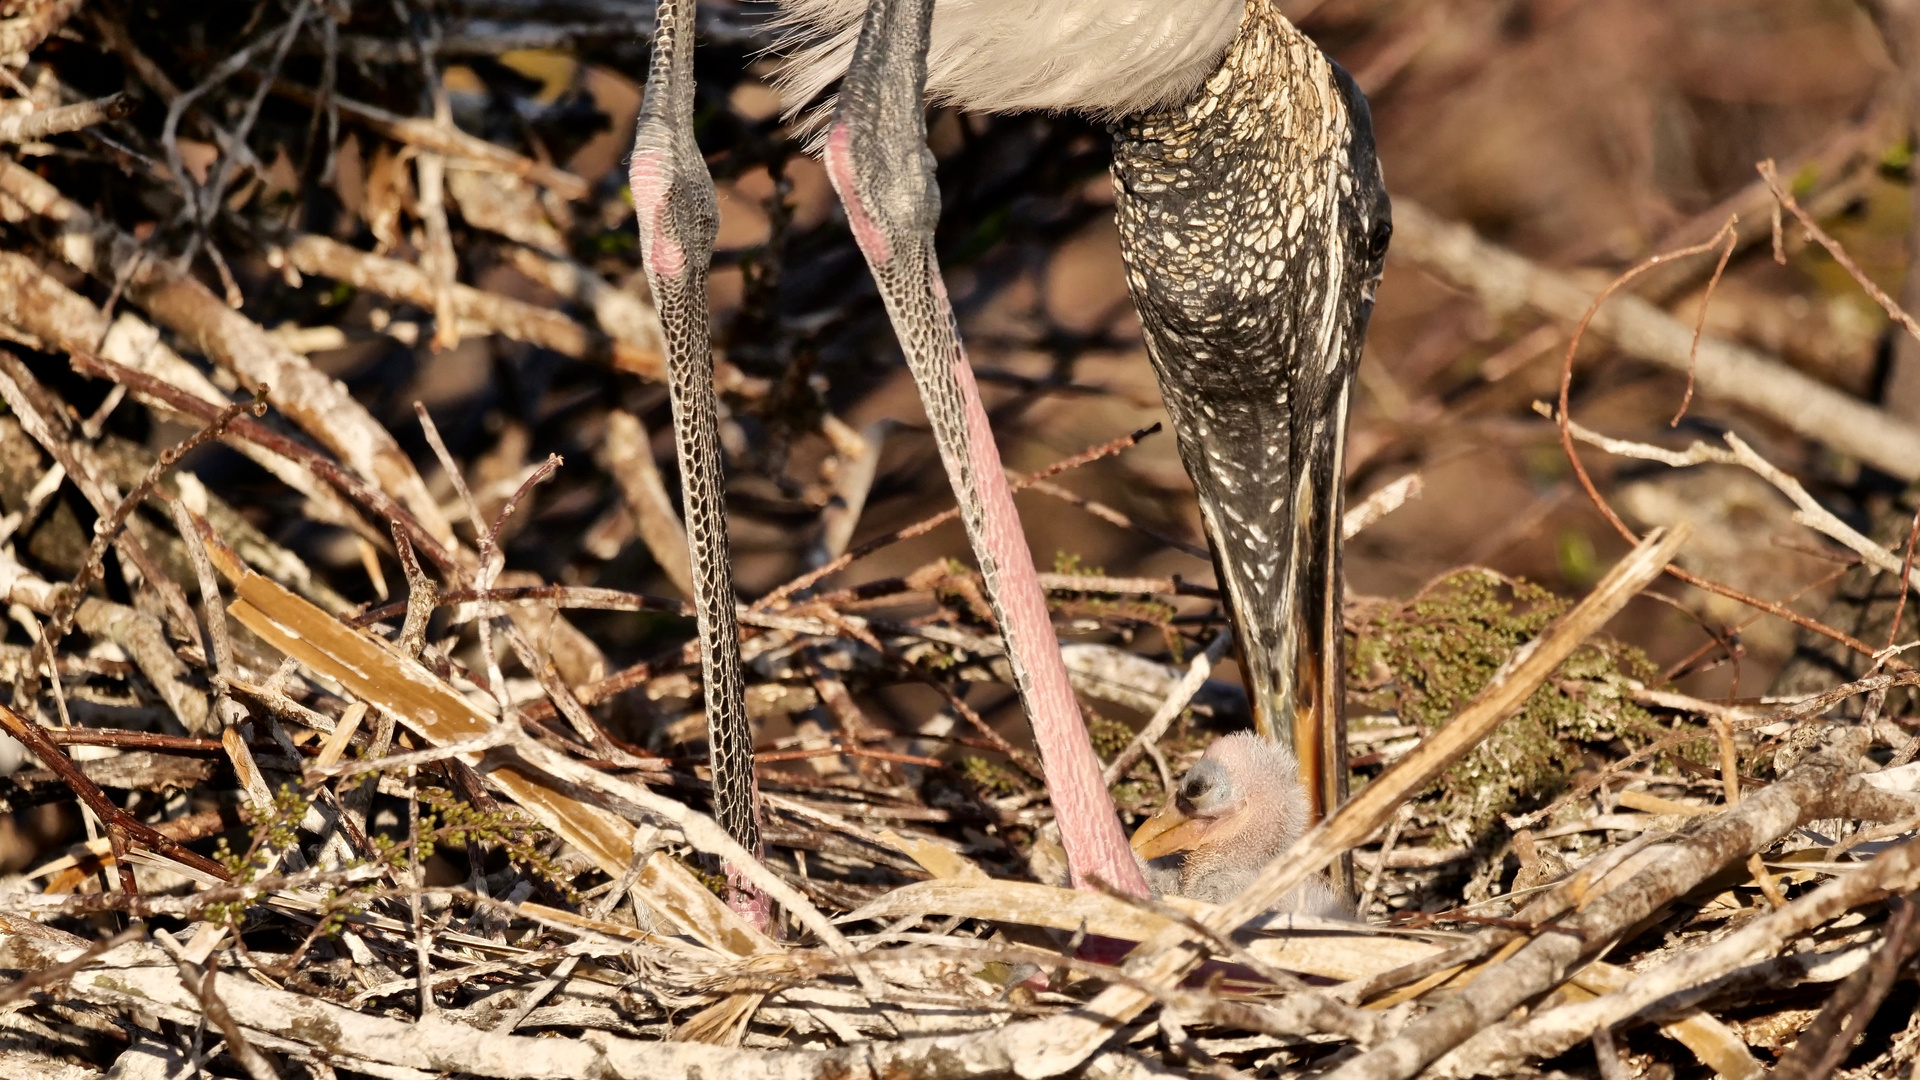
(1253, 224)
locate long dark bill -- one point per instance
(1293, 645)
(1254, 224)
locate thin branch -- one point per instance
(1175, 704)
(29, 127)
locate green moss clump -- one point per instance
(716, 883)
(1109, 736)
(1068, 562)
(988, 779)
(1141, 783)
(1426, 658)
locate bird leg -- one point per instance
(673, 198)
(877, 159)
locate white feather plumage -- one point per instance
(1103, 57)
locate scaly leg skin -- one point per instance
(673, 198)
(878, 160)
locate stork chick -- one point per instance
(1240, 807)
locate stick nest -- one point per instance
(355, 733)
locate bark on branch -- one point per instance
(1824, 786)
(39, 125)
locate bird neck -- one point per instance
(1243, 216)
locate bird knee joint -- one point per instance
(674, 206)
(888, 195)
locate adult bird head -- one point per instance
(1254, 224)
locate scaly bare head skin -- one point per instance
(1107, 58)
(1240, 807)
(1254, 224)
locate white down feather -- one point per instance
(1103, 57)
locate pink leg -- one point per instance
(878, 161)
